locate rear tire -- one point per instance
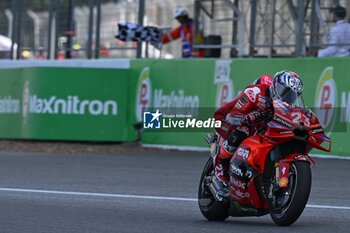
(211, 209)
(301, 186)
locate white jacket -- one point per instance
(339, 34)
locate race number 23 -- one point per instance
(298, 117)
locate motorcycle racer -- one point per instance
(246, 113)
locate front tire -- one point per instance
(299, 189)
(211, 209)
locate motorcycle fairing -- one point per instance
(245, 169)
(289, 137)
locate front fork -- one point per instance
(282, 168)
(279, 181)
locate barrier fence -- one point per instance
(64, 104)
(105, 103)
(74, 29)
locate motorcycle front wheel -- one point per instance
(211, 209)
(286, 206)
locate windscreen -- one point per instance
(289, 96)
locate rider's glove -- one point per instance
(268, 115)
(251, 118)
(226, 126)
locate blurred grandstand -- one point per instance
(48, 29)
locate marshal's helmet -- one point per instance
(181, 12)
(288, 87)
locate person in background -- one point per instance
(41, 54)
(184, 31)
(338, 36)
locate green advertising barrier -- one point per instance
(94, 104)
(65, 104)
(214, 82)
(326, 90)
(168, 84)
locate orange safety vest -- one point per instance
(186, 34)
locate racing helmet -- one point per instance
(288, 87)
(181, 12)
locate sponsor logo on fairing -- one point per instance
(243, 153)
(241, 194)
(239, 183)
(249, 174)
(317, 130)
(236, 170)
(283, 183)
(283, 170)
(282, 121)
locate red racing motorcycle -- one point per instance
(270, 172)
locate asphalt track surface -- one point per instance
(134, 192)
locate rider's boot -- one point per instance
(221, 178)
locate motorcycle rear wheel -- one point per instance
(294, 203)
(211, 209)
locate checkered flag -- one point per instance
(138, 33)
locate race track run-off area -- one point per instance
(143, 192)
